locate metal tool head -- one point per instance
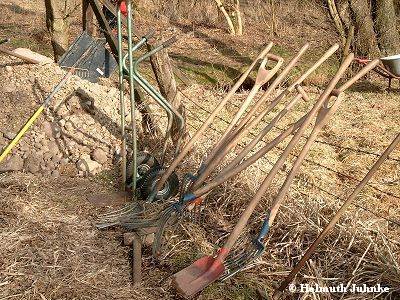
(99, 63)
(242, 260)
(119, 217)
(198, 275)
(238, 261)
(170, 217)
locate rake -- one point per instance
(128, 212)
(190, 204)
(206, 270)
(243, 259)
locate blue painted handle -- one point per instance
(191, 176)
(264, 230)
(188, 197)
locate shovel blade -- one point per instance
(198, 275)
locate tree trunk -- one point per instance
(58, 25)
(366, 42)
(388, 35)
(336, 19)
(239, 19)
(227, 17)
(87, 17)
(162, 68)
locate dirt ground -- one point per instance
(50, 248)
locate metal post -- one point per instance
(132, 94)
(121, 96)
(134, 240)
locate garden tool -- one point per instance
(193, 201)
(264, 132)
(254, 109)
(243, 127)
(46, 102)
(242, 260)
(279, 291)
(235, 264)
(235, 136)
(216, 156)
(206, 270)
(205, 125)
(232, 170)
(263, 76)
(99, 64)
(190, 202)
(177, 208)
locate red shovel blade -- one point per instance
(198, 275)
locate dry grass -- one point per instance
(50, 249)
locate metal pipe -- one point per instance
(121, 96)
(132, 97)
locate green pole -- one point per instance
(132, 96)
(121, 95)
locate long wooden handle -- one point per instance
(209, 120)
(322, 118)
(263, 76)
(268, 180)
(246, 124)
(23, 57)
(278, 293)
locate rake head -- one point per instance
(120, 216)
(243, 259)
(170, 217)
